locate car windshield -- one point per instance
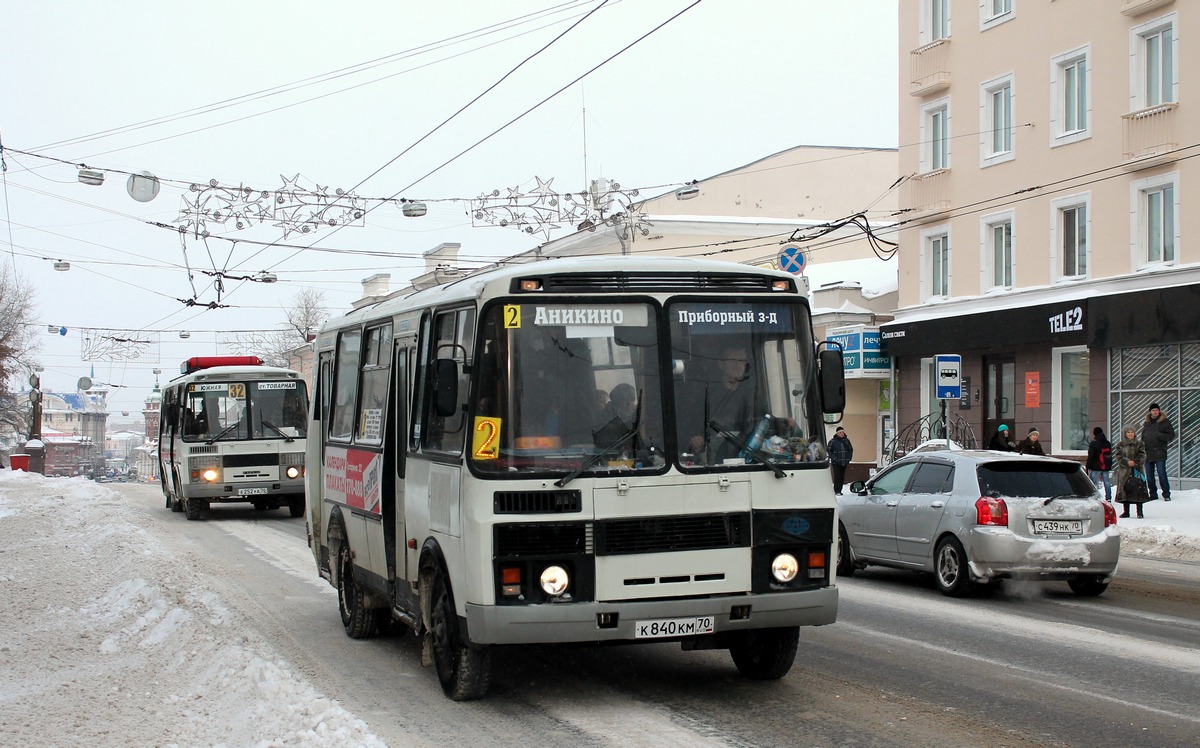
(569, 387)
(220, 411)
(1044, 480)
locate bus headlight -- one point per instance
(292, 464)
(206, 468)
(210, 475)
(785, 567)
(554, 580)
(292, 472)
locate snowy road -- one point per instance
(160, 631)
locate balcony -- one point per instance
(1138, 7)
(929, 193)
(1149, 135)
(930, 68)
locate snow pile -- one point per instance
(108, 638)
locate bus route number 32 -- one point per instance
(666, 627)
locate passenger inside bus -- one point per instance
(618, 418)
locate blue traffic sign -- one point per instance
(792, 260)
(947, 369)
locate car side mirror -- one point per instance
(857, 486)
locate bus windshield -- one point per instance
(227, 411)
(567, 386)
(590, 387)
(743, 383)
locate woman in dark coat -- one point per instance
(1128, 454)
(1030, 444)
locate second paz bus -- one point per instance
(588, 450)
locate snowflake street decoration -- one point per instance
(293, 208)
(120, 345)
(542, 210)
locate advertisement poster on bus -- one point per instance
(352, 477)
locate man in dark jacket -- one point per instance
(1157, 435)
(841, 451)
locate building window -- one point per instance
(937, 265)
(935, 135)
(1070, 227)
(1154, 63)
(998, 251)
(994, 12)
(937, 20)
(1156, 206)
(996, 125)
(1071, 92)
(1072, 417)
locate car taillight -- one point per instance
(991, 511)
(1110, 514)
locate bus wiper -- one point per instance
(590, 462)
(277, 430)
(223, 432)
(737, 442)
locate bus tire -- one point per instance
(765, 654)
(194, 506)
(464, 672)
(296, 506)
(845, 556)
(359, 621)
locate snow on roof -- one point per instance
(876, 277)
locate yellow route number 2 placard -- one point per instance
(485, 441)
(512, 316)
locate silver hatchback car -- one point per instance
(973, 516)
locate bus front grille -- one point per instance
(537, 502)
(543, 539)
(672, 533)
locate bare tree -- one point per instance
(18, 344)
(303, 317)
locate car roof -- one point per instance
(979, 457)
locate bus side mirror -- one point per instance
(445, 387)
(832, 380)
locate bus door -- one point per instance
(398, 446)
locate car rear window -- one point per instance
(1020, 479)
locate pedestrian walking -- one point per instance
(1030, 444)
(1157, 435)
(1129, 456)
(841, 451)
(1099, 461)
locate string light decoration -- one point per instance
(542, 210)
(292, 208)
(119, 345)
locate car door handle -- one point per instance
(893, 503)
(938, 504)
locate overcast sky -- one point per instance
(340, 96)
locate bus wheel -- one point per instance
(357, 619)
(296, 506)
(464, 672)
(176, 505)
(766, 654)
(261, 506)
(194, 506)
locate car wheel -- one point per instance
(950, 568)
(464, 672)
(765, 654)
(845, 559)
(1087, 585)
(359, 621)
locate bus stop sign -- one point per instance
(948, 371)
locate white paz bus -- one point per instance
(233, 430)
(578, 451)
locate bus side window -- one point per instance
(373, 385)
(454, 336)
(345, 386)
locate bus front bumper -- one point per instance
(581, 622)
(264, 490)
